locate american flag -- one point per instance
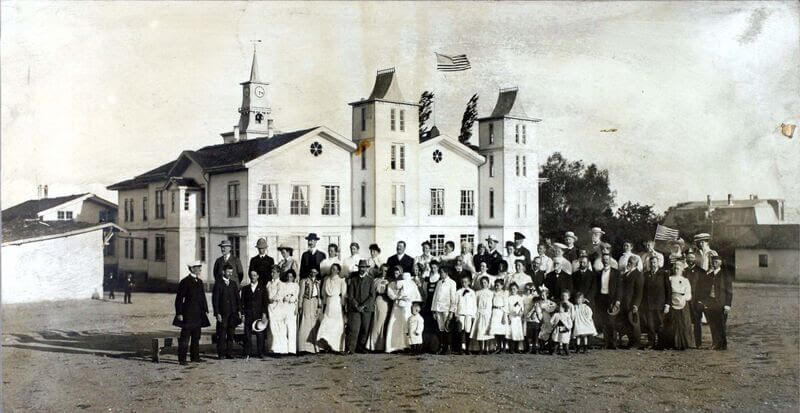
(445, 63)
(666, 233)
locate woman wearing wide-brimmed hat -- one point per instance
(287, 262)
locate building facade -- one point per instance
(381, 185)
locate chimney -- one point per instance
(270, 128)
(236, 133)
(730, 199)
(39, 192)
(755, 197)
(708, 206)
(45, 191)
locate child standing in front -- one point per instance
(583, 324)
(516, 310)
(499, 324)
(414, 329)
(547, 308)
(466, 309)
(480, 331)
(562, 329)
(533, 319)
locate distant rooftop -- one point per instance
(31, 208)
(508, 105)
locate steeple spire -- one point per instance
(254, 69)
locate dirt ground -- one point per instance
(94, 356)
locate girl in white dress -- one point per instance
(562, 328)
(583, 324)
(403, 292)
(480, 331)
(547, 307)
(414, 328)
(498, 326)
(331, 329)
(291, 302)
(516, 309)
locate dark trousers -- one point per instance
(626, 328)
(358, 330)
(696, 311)
(248, 331)
(605, 322)
(653, 321)
(225, 333)
(111, 292)
(716, 322)
(127, 297)
(183, 343)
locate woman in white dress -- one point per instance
(333, 258)
(377, 337)
(403, 292)
(558, 251)
(291, 302)
(466, 256)
(331, 329)
(310, 309)
(287, 262)
(278, 333)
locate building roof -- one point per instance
(736, 203)
(386, 86)
(508, 106)
(254, 77)
(31, 208)
(22, 231)
(769, 237)
(217, 158)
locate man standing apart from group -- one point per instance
(191, 309)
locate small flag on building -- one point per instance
(445, 63)
(666, 233)
(787, 129)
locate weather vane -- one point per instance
(255, 42)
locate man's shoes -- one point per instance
(183, 363)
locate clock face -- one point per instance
(259, 91)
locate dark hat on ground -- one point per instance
(363, 263)
(224, 243)
(518, 235)
(312, 236)
(261, 243)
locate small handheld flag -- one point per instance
(666, 233)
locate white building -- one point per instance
(379, 186)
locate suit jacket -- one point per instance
(225, 299)
(722, 283)
(655, 290)
(262, 266)
(629, 290)
(571, 254)
(694, 274)
(493, 260)
(538, 278)
(254, 303)
(191, 303)
(558, 282)
(585, 282)
(526, 256)
(309, 261)
(361, 292)
(613, 282)
(407, 263)
(219, 265)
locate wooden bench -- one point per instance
(161, 343)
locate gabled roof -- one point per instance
(20, 232)
(769, 237)
(736, 203)
(30, 209)
(139, 181)
(453, 144)
(508, 106)
(434, 133)
(386, 89)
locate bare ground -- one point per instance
(94, 356)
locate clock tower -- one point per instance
(254, 114)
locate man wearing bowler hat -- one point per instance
(254, 307)
(228, 258)
(570, 252)
(261, 263)
(225, 301)
(360, 306)
(493, 257)
(191, 308)
(312, 257)
(520, 251)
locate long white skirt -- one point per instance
(396, 329)
(283, 329)
(331, 328)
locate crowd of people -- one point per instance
(566, 299)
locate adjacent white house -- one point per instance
(380, 185)
(768, 253)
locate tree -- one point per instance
(633, 222)
(425, 102)
(470, 114)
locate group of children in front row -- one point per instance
(529, 320)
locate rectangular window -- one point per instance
(330, 205)
(125, 207)
(467, 202)
(402, 157)
(144, 208)
(132, 245)
(524, 136)
(516, 134)
(235, 244)
(108, 250)
(299, 203)
(364, 159)
(392, 120)
(159, 204)
(398, 156)
(60, 214)
(524, 165)
(160, 248)
(763, 261)
(491, 133)
(519, 203)
(202, 196)
(393, 158)
(491, 203)
(363, 200)
(202, 249)
(517, 165)
(144, 249)
(186, 198)
(437, 244)
(525, 204)
(102, 216)
(69, 216)
(399, 200)
(437, 201)
(172, 202)
(130, 202)
(491, 166)
(233, 199)
(468, 238)
(402, 120)
(125, 246)
(268, 202)
(363, 119)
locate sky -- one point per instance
(97, 92)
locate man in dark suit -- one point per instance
(537, 276)
(715, 295)
(493, 257)
(225, 300)
(694, 273)
(191, 308)
(254, 307)
(629, 300)
(312, 257)
(360, 306)
(558, 281)
(401, 259)
(654, 300)
(571, 253)
(228, 258)
(584, 280)
(520, 251)
(460, 271)
(261, 263)
(607, 282)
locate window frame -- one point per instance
(437, 244)
(402, 120)
(763, 260)
(491, 202)
(234, 199)
(161, 248)
(467, 207)
(300, 206)
(437, 202)
(331, 200)
(392, 119)
(144, 208)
